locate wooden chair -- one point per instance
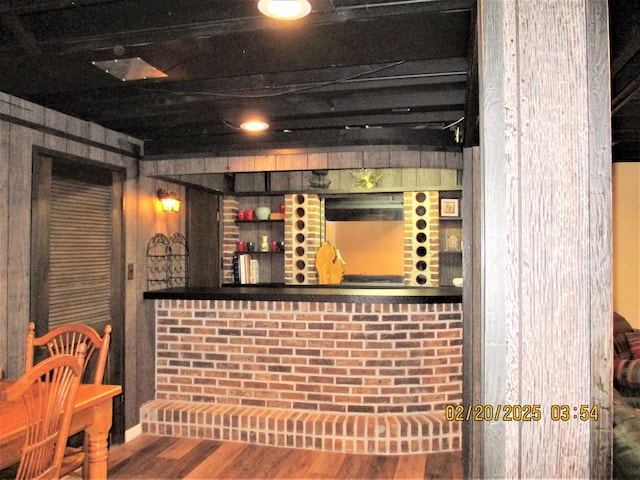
(48, 391)
(66, 339)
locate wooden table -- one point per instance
(92, 413)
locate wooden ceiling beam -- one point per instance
(22, 7)
(624, 56)
(629, 93)
(274, 142)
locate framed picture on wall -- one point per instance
(449, 207)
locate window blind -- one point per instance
(80, 253)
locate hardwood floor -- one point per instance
(162, 458)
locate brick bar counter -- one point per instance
(358, 370)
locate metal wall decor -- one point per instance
(319, 179)
(365, 178)
(178, 260)
(167, 261)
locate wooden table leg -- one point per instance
(98, 433)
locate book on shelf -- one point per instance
(254, 271)
(245, 269)
(236, 269)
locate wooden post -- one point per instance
(546, 235)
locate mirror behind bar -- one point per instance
(368, 230)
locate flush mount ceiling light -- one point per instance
(284, 9)
(127, 69)
(254, 125)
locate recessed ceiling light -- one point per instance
(254, 125)
(284, 9)
(127, 69)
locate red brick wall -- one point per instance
(341, 377)
(230, 207)
(331, 357)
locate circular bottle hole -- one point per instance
(420, 211)
(420, 197)
(421, 237)
(299, 251)
(300, 199)
(421, 251)
(300, 278)
(421, 279)
(300, 237)
(300, 264)
(300, 212)
(421, 224)
(300, 224)
(421, 265)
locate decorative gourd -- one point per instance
(329, 264)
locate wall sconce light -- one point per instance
(170, 201)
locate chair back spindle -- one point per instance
(48, 392)
(65, 340)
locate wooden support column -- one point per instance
(545, 195)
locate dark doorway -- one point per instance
(77, 256)
(203, 236)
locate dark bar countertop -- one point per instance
(313, 293)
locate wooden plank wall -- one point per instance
(23, 127)
(599, 261)
(392, 179)
(546, 227)
(342, 162)
(472, 348)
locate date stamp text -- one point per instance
(520, 413)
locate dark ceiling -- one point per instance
(353, 73)
(624, 28)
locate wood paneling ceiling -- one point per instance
(353, 73)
